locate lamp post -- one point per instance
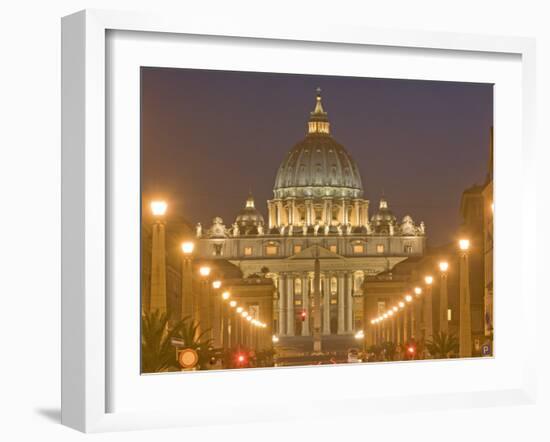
(203, 304)
(406, 334)
(443, 298)
(224, 310)
(428, 309)
(187, 248)
(158, 258)
(465, 329)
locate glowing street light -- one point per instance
(244, 314)
(408, 298)
(233, 303)
(239, 310)
(443, 266)
(401, 304)
(464, 244)
(429, 280)
(395, 308)
(275, 339)
(158, 208)
(226, 295)
(187, 247)
(417, 291)
(205, 271)
(216, 284)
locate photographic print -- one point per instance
(297, 220)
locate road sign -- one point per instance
(188, 358)
(486, 349)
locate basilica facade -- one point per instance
(318, 211)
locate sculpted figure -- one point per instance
(235, 229)
(327, 229)
(340, 230)
(304, 229)
(282, 230)
(348, 229)
(316, 228)
(290, 230)
(260, 229)
(199, 230)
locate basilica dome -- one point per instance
(318, 165)
(249, 218)
(383, 219)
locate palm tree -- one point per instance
(157, 351)
(158, 354)
(442, 345)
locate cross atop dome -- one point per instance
(318, 120)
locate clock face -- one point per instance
(188, 358)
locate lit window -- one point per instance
(358, 248)
(333, 249)
(408, 248)
(380, 248)
(297, 249)
(449, 314)
(248, 251)
(271, 250)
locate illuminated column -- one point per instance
(279, 219)
(357, 212)
(293, 217)
(305, 304)
(329, 212)
(158, 258)
(290, 316)
(349, 303)
(443, 299)
(398, 326)
(187, 248)
(465, 335)
(344, 216)
(406, 324)
(272, 214)
(282, 304)
(326, 304)
(309, 215)
(341, 303)
(428, 309)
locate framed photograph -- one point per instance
(251, 213)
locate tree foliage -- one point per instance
(442, 345)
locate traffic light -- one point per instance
(303, 315)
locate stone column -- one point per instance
(349, 303)
(465, 328)
(344, 218)
(398, 324)
(428, 313)
(305, 304)
(357, 213)
(279, 219)
(271, 210)
(290, 316)
(309, 213)
(326, 304)
(158, 268)
(329, 212)
(406, 312)
(282, 304)
(186, 287)
(443, 305)
(341, 303)
(292, 213)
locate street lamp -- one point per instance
(187, 247)
(205, 271)
(443, 298)
(158, 258)
(429, 280)
(465, 327)
(417, 291)
(216, 284)
(158, 208)
(233, 303)
(464, 244)
(408, 298)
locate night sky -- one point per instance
(210, 137)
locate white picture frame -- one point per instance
(86, 208)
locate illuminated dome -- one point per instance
(318, 165)
(249, 218)
(384, 219)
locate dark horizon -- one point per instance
(210, 137)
